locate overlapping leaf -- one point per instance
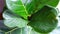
(25, 30)
(13, 21)
(50, 2)
(44, 21)
(24, 8)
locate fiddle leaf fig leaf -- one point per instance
(24, 30)
(50, 2)
(53, 3)
(13, 21)
(44, 21)
(24, 8)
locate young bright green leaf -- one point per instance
(24, 8)
(50, 2)
(44, 21)
(13, 21)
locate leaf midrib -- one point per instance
(24, 8)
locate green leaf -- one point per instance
(50, 2)
(44, 21)
(15, 31)
(53, 3)
(25, 30)
(12, 20)
(18, 31)
(8, 32)
(24, 8)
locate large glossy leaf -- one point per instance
(50, 2)
(44, 21)
(12, 20)
(24, 8)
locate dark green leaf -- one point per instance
(44, 21)
(24, 8)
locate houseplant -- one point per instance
(29, 16)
